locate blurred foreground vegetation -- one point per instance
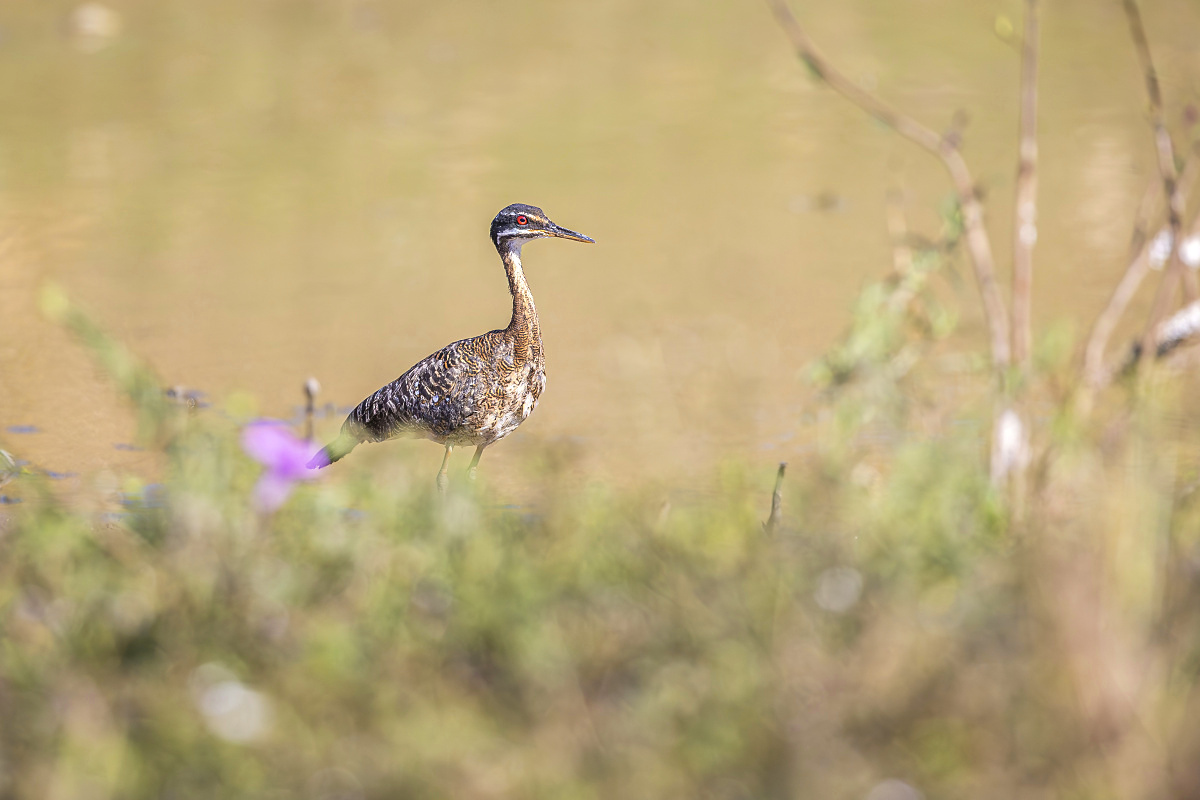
(901, 634)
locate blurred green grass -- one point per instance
(898, 635)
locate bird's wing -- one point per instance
(435, 395)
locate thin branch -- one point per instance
(1171, 337)
(1026, 194)
(1095, 371)
(1164, 332)
(978, 243)
(1176, 269)
(1177, 330)
(1145, 215)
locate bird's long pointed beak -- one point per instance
(563, 233)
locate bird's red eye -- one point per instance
(521, 220)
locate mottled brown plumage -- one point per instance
(474, 391)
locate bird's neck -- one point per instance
(524, 315)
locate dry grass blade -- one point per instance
(772, 523)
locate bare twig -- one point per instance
(1175, 270)
(1026, 194)
(1095, 372)
(1171, 336)
(1147, 210)
(1177, 330)
(1094, 369)
(772, 522)
(1163, 340)
(978, 243)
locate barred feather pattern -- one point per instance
(471, 392)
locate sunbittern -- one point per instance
(472, 392)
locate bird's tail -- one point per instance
(333, 451)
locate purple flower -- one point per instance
(285, 456)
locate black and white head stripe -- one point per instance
(519, 221)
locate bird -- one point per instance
(474, 391)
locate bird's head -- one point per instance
(517, 224)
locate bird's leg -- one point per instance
(442, 480)
(474, 462)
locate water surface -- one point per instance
(249, 193)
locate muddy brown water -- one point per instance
(249, 193)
